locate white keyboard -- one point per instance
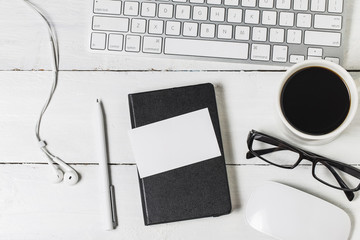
(250, 31)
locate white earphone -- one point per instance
(61, 171)
(57, 175)
(70, 176)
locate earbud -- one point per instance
(57, 175)
(70, 177)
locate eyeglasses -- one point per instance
(281, 154)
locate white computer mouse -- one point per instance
(286, 213)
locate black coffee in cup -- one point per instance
(315, 100)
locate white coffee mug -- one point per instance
(352, 91)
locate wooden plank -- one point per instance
(24, 42)
(245, 101)
(32, 208)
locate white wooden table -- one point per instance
(31, 207)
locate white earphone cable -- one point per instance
(55, 53)
(65, 172)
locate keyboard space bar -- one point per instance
(205, 48)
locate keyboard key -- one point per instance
(294, 36)
(217, 49)
(148, 9)
(331, 39)
(132, 43)
(182, 12)
(138, 25)
(303, 20)
(152, 44)
(252, 16)
(314, 58)
(98, 41)
(327, 22)
(116, 42)
(269, 17)
(286, 19)
(217, 14)
(318, 5)
(172, 28)
(259, 34)
(248, 3)
(260, 52)
(216, 2)
(266, 3)
(207, 30)
(242, 33)
(190, 29)
(280, 53)
(200, 13)
(335, 6)
(225, 31)
(114, 24)
(301, 5)
(333, 59)
(107, 7)
(283, 4)
(165, 10)
(315, 52)
(131, 8)
(197, 1)
(296, 58)
(231, 2)
(156, 26)
(234, 15)
(277, 35)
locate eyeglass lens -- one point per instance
(324, 173)
(274, 152)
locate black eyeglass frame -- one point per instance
(314, 158)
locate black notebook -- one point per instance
(194, 191)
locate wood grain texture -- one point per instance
(24, 42)
(32, 208)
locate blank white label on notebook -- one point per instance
(174, 143)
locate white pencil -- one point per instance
(106, 189)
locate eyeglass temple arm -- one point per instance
(249, 154)
(349, 195)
